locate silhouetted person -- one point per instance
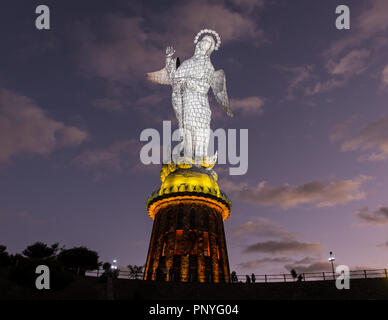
(300, 278)
(253, 278)
(294, 274)
(234, 277)
(248, 280)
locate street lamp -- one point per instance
(114, 264)
(332, 259)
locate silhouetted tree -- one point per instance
(40, 250)
(106, 266)
(107, 272)
(79, 259)
(135, 272)
(4, 257)
(23, 267)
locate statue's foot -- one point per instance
(209, 162)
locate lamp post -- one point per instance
(332, 259)
(113, 267)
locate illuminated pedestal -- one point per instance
(188, 240)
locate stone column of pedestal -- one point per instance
(170, 247)
(185, 253)
(213, 245)
(223, 251)
(159, 242)
(151, 247)
(200, 245)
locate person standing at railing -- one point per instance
(234, 277)
(248, 279)
(253, 278)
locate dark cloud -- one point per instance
(378, 217)
(283, 246)
(254, 264)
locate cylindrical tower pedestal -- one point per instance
(188, 239)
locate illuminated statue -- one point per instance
(190, 83)
(188, 242)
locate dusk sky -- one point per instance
(74, 100)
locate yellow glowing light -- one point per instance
(156, 206)
(187, 185)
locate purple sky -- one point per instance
(73, 101)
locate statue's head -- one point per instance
(210, 42)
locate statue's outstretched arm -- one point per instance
(165, 75)
(218, 84)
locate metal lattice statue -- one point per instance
(188, 241)
(190, 83)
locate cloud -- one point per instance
(371, 136)
(340, 71)
(324, 86)
(24, 217)
(114, 157)
(283, 246)
(317, 266)
(248, 105)
(263, 227)
(318, 193)
(127, 50)
(384, 76)
(371, 22)
(254, 264)
(249, 5)
(352, 63)
(151, 106)
(383, 245)
(118, 157)
(300, 74)
(378, 217)
(25, 128)
(346, 57)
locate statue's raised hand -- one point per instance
(170, 51)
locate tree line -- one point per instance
(64, 264)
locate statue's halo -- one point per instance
(211, 32)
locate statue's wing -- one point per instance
(218, 84)
(160, 77)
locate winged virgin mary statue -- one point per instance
(190, 83)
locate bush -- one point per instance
(23, 273)
(5, 259)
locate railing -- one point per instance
(121, 274)
(315, 276)
(285, 277)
